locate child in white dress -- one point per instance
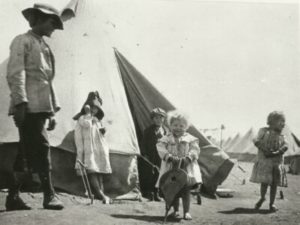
(92, 148)
(180, 146)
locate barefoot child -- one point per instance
(180, 147)
(269, 169)
(92, 149)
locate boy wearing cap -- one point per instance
(151, 135)
(30, 72)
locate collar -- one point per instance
(39, 38)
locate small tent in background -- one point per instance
(236, 149)
(226, 142)
(292, 156)
(246, 151)
(86, 61)
(232, 142)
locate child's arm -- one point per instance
(145, 144)
(194, 150)
(282, 149)
(259, 142)
(258, 139)
(162, 149)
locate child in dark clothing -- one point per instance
(151, 134)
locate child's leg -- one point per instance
(273, 192)
(198, 191)
(106, 199)
(186, 198)
(176, 205)
(100, 180)
(263, 191)
(93, 178)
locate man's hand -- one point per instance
(19, 114)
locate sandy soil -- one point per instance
(235, 210)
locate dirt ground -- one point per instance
(235, 210)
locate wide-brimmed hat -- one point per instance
(45, 9)
(157, 111)
(93, 99)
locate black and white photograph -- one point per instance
(149, 112)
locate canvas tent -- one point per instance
(245, 150)
(292, 156)
(240, 146)
(226, 142)
(86, 61)
(232, 142)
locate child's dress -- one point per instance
(268, 170)
(184, 146)
(92, 149)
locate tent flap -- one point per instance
(143, 97)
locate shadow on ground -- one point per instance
(246, 211)
(145, 218)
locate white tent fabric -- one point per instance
(242, 144)
(85, 62)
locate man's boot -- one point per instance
(51, 201)
(13, 200)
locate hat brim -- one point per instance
(27, 13)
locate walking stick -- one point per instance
(150, 163)
(85, 180)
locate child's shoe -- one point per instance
(273, 208)
(259, 203)
(187, 216)
(107, 200)
(175, 215)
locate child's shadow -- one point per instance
(144, 218)
(246, 211)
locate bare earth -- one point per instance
(235, 210)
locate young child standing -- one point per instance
(151, 134)
(92, 149)
(180, 148)
(268, 169)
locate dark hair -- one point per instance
(275, 116)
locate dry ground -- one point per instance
(235, 210)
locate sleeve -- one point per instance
(285, 145)
(145, 143)
(16, 75)
(162, 148)
(258, 139)
(194, 150)
(79, 144)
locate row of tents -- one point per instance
(241, 147)
(88, 59)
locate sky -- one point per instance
(222, 62)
